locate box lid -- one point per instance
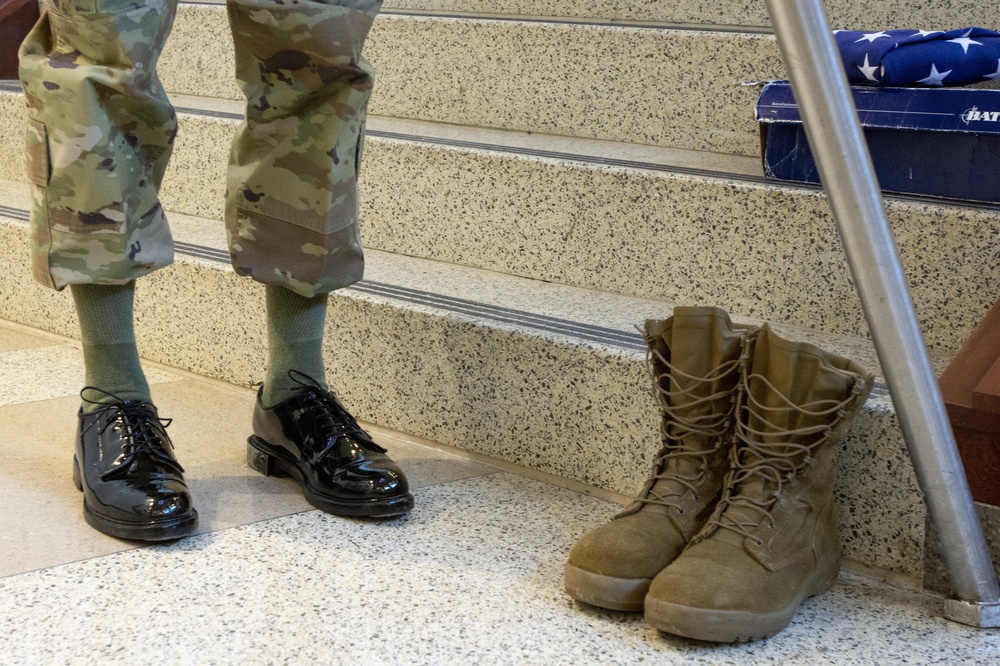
(964, 110)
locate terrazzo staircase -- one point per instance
(538, 180)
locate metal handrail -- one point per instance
(838, 146)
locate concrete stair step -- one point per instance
(843, 14)
(538, 374)
(653, 84)
(659, 86)
(846, 14)
(668, 224)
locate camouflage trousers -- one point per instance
(100, 133)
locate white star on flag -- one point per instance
(869, 70)
(926, 33)
(872, 36)
(964, 41)
(936, 78)
(996, 74)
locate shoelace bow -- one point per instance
(775, 462)
(332, 420)
(142, 434)
(677, 427)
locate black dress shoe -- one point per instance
(133, 487)
(312, 438)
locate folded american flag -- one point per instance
(909, 58)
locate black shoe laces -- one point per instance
(143, 434)
(333, 421)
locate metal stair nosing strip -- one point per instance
(624, 340)
(14, 87)
(554, 20)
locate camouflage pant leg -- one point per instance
(99, 137)
(291, 203)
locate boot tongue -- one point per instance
(698, 342)
(687, 350)
(787, 398)
(757, 490)
(686, 467)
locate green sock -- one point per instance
(110, 356)
(294, 342)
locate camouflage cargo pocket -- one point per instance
(36, 151)
(98, 141)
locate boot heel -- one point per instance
(77, 480)
(262, 462)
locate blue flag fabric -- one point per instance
(916, 58)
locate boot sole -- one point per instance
(622, 594)
(730, 626)
(161, 530)
(272, 461)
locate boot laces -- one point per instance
(680, 425)
(142, 433)
(765, 459)
(332, 420)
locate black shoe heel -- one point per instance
(262, 462)
(77, 479)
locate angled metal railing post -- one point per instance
(838, 146)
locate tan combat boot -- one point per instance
(772, 541)
(693, 359)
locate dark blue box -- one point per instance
(941, 142)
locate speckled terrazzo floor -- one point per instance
(473, 575)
